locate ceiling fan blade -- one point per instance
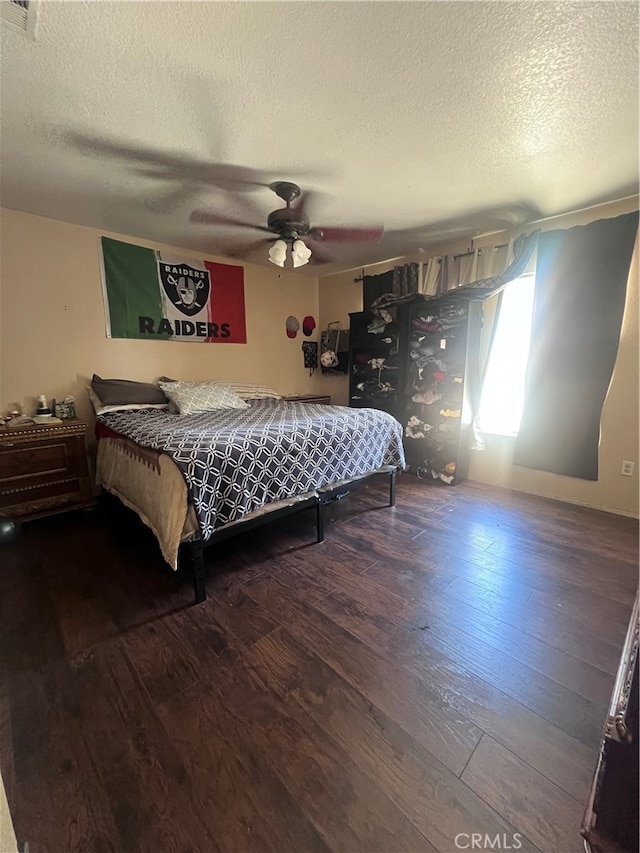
(248, 248)
(319, 254)
(223, 176)
(372, 234)
(470, 224)
(306, 203)
(174, 198)
(202, 216)
(180, 166)
(513, 214)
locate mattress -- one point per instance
(189, 476)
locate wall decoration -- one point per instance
(152, 295)
(310, 352)
(292, 326)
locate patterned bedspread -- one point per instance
(236, 461)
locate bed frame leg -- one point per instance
(392, 488)
(320, 521)
(197, 565)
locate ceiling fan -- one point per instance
(290, 229)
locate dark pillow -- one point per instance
(118, 392)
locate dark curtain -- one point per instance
(375, 286)
(405, 279)
(390, 288)
(581, 281)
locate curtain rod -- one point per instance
(455, 258)
(539, 221)
(566, 214)
(472, 251)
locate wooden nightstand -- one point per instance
(43, 470)
(308, 398)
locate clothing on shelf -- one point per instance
(411, 356)
(375, 376)
(437, 343)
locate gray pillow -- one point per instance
(117, 392)
(194, 397)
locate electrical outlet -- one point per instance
(627, 468)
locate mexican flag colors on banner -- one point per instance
(156, 296)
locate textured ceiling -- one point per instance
(128, 116)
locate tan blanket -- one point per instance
(149, 483)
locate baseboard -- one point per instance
(576, 501)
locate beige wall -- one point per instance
(339, 296)
(619, 431)
(52, 321)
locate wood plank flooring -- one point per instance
(430, 671)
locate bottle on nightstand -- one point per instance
(42, 409)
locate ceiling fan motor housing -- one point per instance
(287, 223)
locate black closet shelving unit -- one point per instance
(419, 358)
(377, 365)
(422, 367)
(441, 377)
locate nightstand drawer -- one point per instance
(27, 498)
(27, 460)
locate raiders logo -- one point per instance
(187, 288)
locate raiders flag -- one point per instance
(155, 296)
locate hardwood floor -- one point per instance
(430, 671)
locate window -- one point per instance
(503, 392)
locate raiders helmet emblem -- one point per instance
(187, 288)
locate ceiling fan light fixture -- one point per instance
(278, 253)
(300, 253)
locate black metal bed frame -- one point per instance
(195, 548)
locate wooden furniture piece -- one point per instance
(43, 469)
(610, 822)
(308, 398)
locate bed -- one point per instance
(196, 479)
